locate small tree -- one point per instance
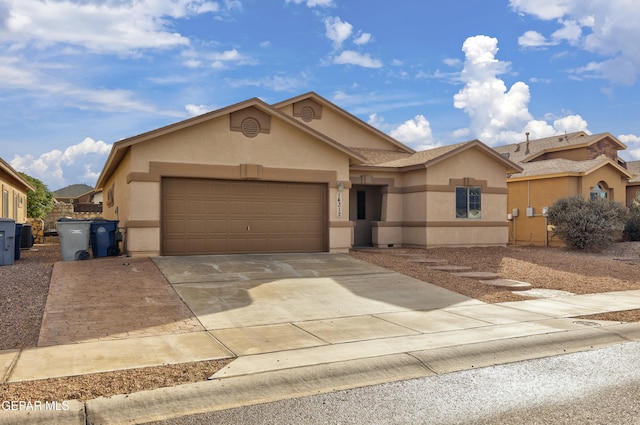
(632, 226)
(587, 224)
(40, 201)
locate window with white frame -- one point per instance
(468, 202)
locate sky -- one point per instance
(77, 76)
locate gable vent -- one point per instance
(307, 114)
(250, 127)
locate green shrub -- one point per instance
(587, 224)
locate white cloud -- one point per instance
(337, 31)
(350, 57)
(73, 165)
(363, 38)
(500, 115)
(571, 32)
(221, 60)
(453, 62)
(533, 39)
(375, 120)
(312, 3)
(100, 26)
(281, 82)
(416, 132)
(195, 110)
(629, 138)
(544, 9)
(41, 83)
(633, 144)
(605, 28)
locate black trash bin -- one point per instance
(103, 238)
(16, 241)
(26, 241)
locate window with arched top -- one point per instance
(600, 191)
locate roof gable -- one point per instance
(429, 157)
(314, 104)
(12, 174)
(264, 110)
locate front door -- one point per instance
(365, 207)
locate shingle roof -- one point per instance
(563, 166)
(523, 151)
(378, 156)
(73, 191)
(422, 156)
(634, 168)
(395, 159)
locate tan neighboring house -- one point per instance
(13, 203)
(557, 167)
(302, 175)
(633, 186)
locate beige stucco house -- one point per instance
(556, 167)
(13, 203)
(301, 175)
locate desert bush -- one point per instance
(632, 226)
(587, 224)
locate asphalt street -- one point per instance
(593, 387)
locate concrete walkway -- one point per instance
(296, 324)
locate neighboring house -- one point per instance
(81, 196)
(74, 194)
(302, 175)
(633, 187)
(557, 167)
(13, 203)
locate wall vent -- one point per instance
(250, 127)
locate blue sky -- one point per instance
(77, 76)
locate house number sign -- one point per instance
(339, 205)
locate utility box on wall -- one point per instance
(530, 211)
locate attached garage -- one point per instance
(210, 216)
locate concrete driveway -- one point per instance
(298, 324)
(264, 303)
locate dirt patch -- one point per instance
(616, 268)
(87, 387)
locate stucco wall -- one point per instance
(543, 192)
(212, 150)
(339, 128)
(16, 204)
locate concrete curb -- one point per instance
(70, 412)
(227, 393)
(244, 390)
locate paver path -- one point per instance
(111, 298)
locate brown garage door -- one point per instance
(202, 216)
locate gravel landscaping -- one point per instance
(24, 287)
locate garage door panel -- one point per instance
(197, 189)
(196, 207)
(217, 216)
(217, 206)
(174, 206)
(216, 226)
